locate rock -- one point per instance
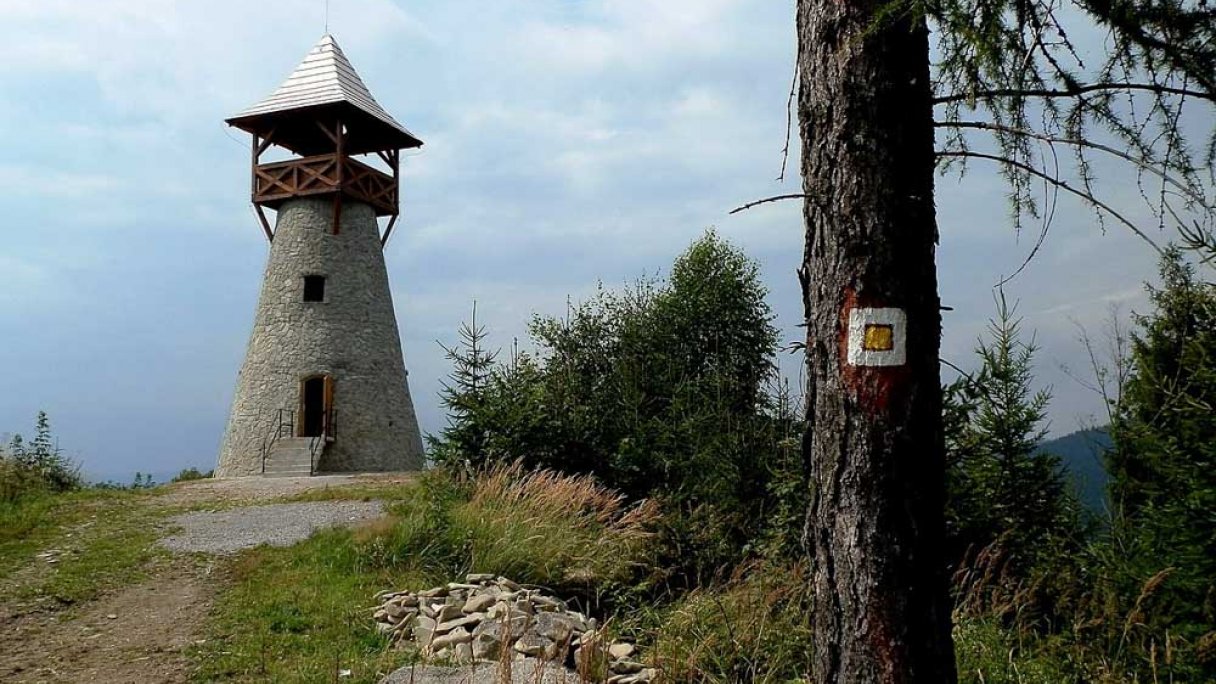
(380, 615)
(464, 653)
(395, 611)
(554, 626)
(433, 593)
(621, 650)
(404, 600)
(458, 622)
(424, 631)
(531, 644)
(487, 644)
(479, 578)
(504, 582)
(478, 603)
(385, 628)
(626, 666)
(454, 586)
(405, 620)
(578, 621)
(460, 635)
(448, 613)
(549, 603)
(648, 675)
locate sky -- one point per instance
(568, 142)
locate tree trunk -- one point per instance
(874, 442)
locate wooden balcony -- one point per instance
(324, 174)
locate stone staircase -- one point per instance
(289, 457)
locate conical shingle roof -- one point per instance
(325, 79)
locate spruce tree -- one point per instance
(1163, 466)
(464, 440)
(1002, 489)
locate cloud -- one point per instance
(567, 143)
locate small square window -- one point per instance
(314, 288)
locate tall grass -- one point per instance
(549, 528)
(756, 627)
(537, 527)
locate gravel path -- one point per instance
(277, 525)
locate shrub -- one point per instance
(662, 390)
(36, 468)
(188, 474)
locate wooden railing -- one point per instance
(325, 174)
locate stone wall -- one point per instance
(351, 336)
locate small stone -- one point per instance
(111, 616)
(460, 635)
(424, 630)
(486, 646)
(647, 675)
(531, 644)
(478, 603)
(578, 621)
(458, 622)
(448, 613)
(554, 626)
(406, 620)
(626, 667)
(621, 650)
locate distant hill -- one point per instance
(1081, 456)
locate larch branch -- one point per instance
(1061, 184)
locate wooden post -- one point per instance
(340, 139)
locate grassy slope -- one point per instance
(105, 538)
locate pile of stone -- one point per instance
(489, 618)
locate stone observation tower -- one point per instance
(323, 387)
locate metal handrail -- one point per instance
(329, 433)
(269, 440)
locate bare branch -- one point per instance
(789, 123)
(1073, 91)
(777, 198)
(1063, 185)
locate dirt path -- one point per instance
(142, 632)
(139, 634)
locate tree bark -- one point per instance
(874, 442)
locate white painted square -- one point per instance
(860, 319)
